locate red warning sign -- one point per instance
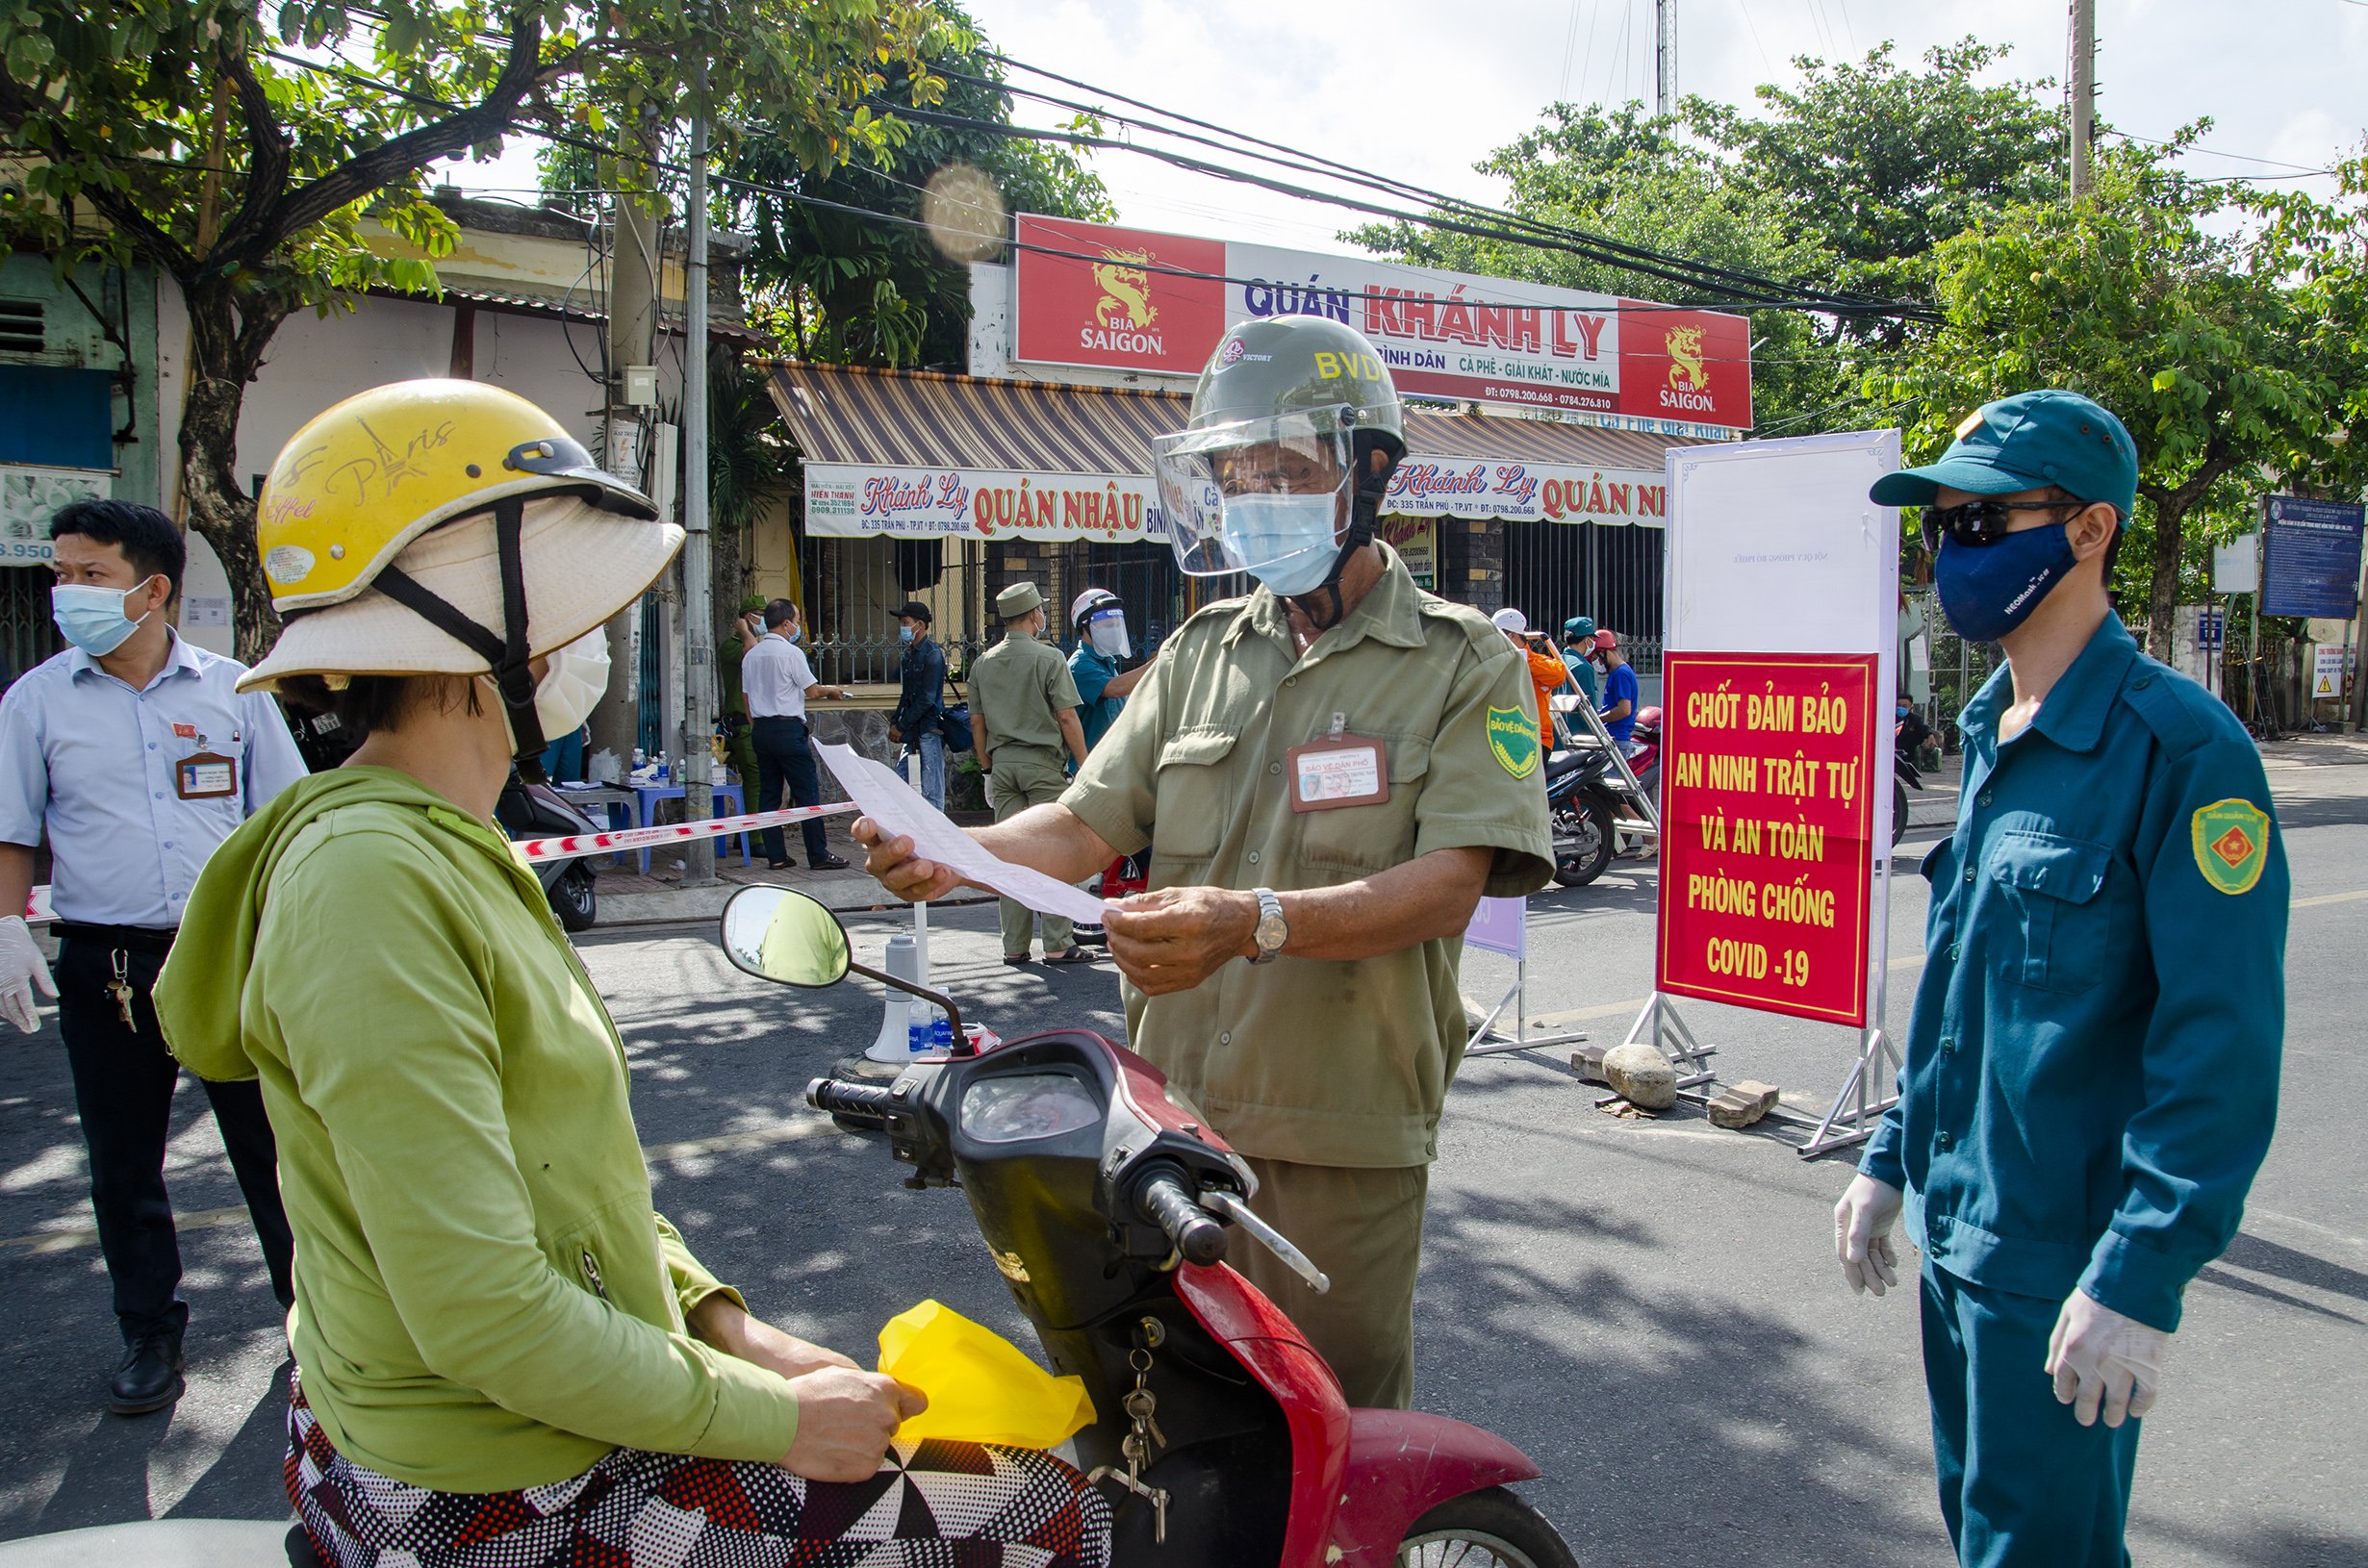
(1768, 822)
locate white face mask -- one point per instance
(572, 685)
(1285, 542)
(1109, 636)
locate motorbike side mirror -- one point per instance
(777, 934)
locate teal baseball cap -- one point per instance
(2025, 441)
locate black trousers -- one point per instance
(783, 756)
(123, 1087)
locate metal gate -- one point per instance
(1554, 571)
(26, 634)
(853, 586)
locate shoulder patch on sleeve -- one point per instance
(1512, 739)
(2231, 843)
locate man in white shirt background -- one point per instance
(135, 756)
(779, 682)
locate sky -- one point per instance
(1430, 88)
(1422, 90)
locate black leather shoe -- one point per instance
(150, 1376)
(829, 863)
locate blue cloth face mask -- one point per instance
(91, 615)
(1989, 590)
(903, 634)
(1284, 540)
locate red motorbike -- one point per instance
(1109, 1212)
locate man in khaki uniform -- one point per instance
(1023, 717)
(1337, 767)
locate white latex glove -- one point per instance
(2098, 1356)
(21, 968)
(1862, 1236)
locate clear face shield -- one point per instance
(1267, 496)
(1106, 631)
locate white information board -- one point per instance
(1775, 548)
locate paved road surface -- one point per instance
(1648, 1308)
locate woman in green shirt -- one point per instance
(505, 1358)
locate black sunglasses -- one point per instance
(1975, 523)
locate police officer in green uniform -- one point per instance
(1330, 774)
(2092, 1067)
(1023, 719)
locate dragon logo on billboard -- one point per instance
(1687, 372)
(1126, 289)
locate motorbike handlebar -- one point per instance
(857, 1102)
(1168, 1203)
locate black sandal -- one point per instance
(1078, 955)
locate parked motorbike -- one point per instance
(537, 811)
(1905, 775)
(1645, 760)
(1109, 1210)
(1581, 805)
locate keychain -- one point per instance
(120, 988)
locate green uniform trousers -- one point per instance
(1025, 776)
(1362, 1226)
(2022, 1484)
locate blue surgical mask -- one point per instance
(1989, 590)
(92, 617)
(903, 634)
(795, 634)
(1284, 540)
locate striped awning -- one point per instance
(922, 453)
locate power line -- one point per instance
(1285, 156)
(2238, 157)
(894, 219)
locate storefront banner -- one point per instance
(1768, 822)
(1425, 487)
(1417, 541)
(856, 500)
(1094, 294)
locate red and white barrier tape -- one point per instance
(573, 845)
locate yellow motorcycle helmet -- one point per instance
(364, 478)
(405, 530)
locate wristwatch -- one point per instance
(1273, 931)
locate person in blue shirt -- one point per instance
(135, 755)
(1620, 690)
(1101, 624)
(2091, 1075)
(921, 701)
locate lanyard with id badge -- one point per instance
(203, 774)
(1339, 770)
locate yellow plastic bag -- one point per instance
(981, 1387)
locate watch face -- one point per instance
(1272, 930)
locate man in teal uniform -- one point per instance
(2092, 1067)
(1100, 622)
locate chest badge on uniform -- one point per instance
(2231, 839)
(1513, 735)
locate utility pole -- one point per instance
(1664, 58)
(632, 345)
(697, 573)
(2083, 94)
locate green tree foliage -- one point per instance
(837, 287)
(239, 154)
(1845, 183)
(1882, 163)
(2225, 329)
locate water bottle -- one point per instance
(917, 1033)
(941, 1035)
(641, 758)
